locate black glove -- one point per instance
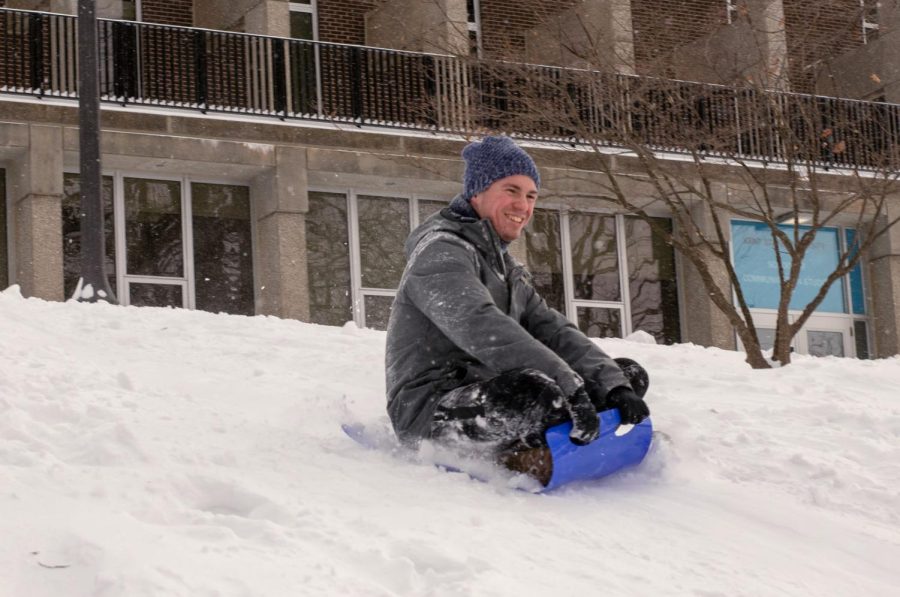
(632, 409)
(585, 423)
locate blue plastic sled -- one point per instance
(615, 449)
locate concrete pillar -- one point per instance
(594, 34)
(701, 322)
(752, 48)
(4, 239)
(280, 202)
(884, 273)
(439, 26)
(37, 188)
(263, 17)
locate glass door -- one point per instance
(153, 229)
(596, 281)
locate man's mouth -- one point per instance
(516, 219)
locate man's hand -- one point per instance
(585, 423)
(632, 409)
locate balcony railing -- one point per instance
(216, 71)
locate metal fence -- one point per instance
(199, 69)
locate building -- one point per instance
(270, 157)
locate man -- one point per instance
(475, 357)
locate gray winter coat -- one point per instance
(466, 311)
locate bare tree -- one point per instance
(794, 164)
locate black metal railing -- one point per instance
(199, 69)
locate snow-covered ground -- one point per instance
(152, 452)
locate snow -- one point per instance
(161, 452)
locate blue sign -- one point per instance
(757, 268)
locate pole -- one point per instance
(93, 285)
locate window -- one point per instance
(839, 325)
(614, 276)
(4, 242)
(304, 22)
(473, 12)
(870, 27)
(731, 11)
(71, 232)
(173, 242)
(355, 256)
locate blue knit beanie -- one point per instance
(490, 160)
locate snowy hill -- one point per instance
(150, 452)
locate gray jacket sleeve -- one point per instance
(442, 281)
(562, 337)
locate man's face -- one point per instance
(508, 204)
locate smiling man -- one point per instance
(475, 358)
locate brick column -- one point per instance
(36, 193)
(280, 202)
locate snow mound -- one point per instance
(161, 452)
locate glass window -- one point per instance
(383, 228)
(651, 281)
(71, 232)
(766, 337)
(4, 259)
(595, 259)
(302, 15)
(857, 297)
(155, 295)
(545, 261)
(429, 208)
(861, 336)
(600, 323)
(130, 9)
(757, 269)
(153, 228)
(301, 25)
(223, 255)
(378, 311)
(328, 259)
(822, 344)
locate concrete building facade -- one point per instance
(294, 205)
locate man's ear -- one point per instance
(475, 202)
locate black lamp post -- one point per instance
(94, 284)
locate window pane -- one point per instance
(155, 295)
(4, 258)
(600, 323)
(71, 232)
(861, 335)
(429, 208)
(857, 297)
(378, 311)
(153, 227)
(383, 228)
(595, 266)
(223, 256)
(754, 261)
(766, 338)
(544, 250)
(823, 344)
(301, 25)
(651, 281)
(328, 259)
(129, 10)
